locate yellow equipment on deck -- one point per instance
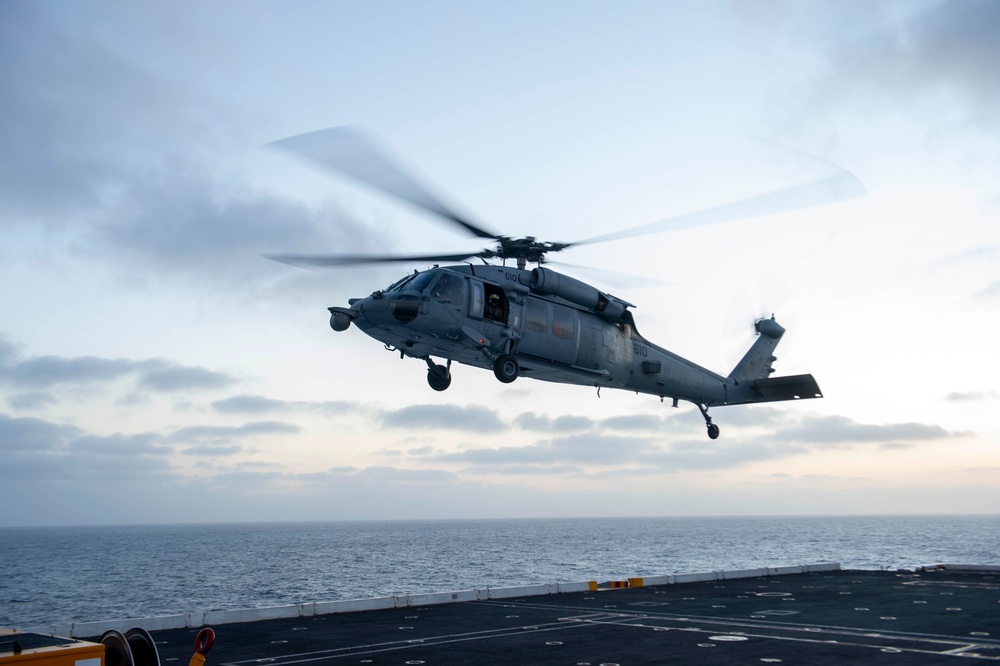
(133, 648)
(29, 649)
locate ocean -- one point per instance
(72, 574)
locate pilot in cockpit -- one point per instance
(447, 288)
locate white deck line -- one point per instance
(205, 618)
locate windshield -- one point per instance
(413, 282)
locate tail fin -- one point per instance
(752, 375)
(756, 364)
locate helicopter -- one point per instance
(535, 322)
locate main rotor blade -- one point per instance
(346, 151)
(332, 261)
(840, 186)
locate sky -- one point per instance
(155, 368)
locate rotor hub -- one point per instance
(526, 249)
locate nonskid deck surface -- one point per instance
(869, 617)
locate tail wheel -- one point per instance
(506, 368)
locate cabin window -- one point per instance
(476, 298)
(536, 315)
(563, 322)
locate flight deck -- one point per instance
(934, 615)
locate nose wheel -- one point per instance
(713, 430)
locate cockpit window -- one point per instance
(420, 282)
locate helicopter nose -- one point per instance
(374, 311)
(383, 311)
(387, 310)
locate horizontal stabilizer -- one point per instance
(792, 387)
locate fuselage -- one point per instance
(473, 314)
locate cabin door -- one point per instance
(591, 341)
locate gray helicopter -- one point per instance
(539, 323)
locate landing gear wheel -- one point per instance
(439, 377)
(713, 430)
(506, 368)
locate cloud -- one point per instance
(96, 476)
(971, 396)
(953, 44)
(661, 425)
(109, 150)
(588, 448)
(600, 452)
(225, 433)
(9, 350)
(142, 444)
(343, 479)
(30, 400)
(399, 475)
(212, 451)
(31, 434)
(569, 453)
(250, 404)
(541, 423)
(753, 416)
(179, 226)
(472, 418)
(991, 292)
(914, 79)
(180, 378)
(640, 422)
(986, 255)
(941, 47)
(62, 460)
(47, 372)
(65, 97)
(841, 430)
(896, 446)
(256, 404)
(598, 455)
